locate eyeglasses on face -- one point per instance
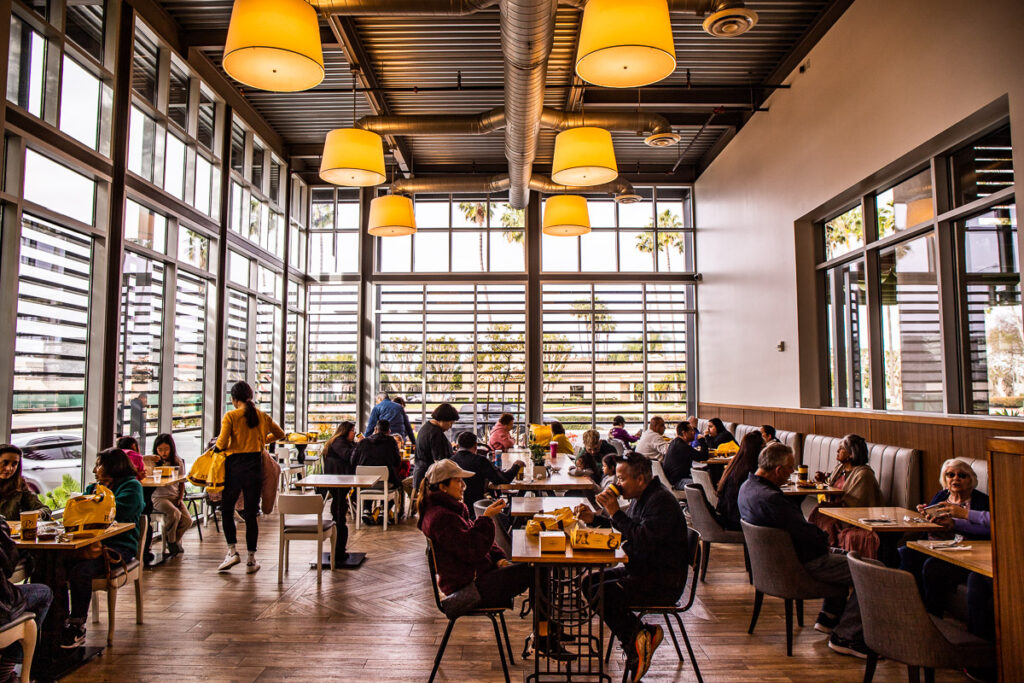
(957, 475)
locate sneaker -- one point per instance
(252, 567)
(826, 623)
(843, 646)
(230, 560)
(535, 645)
(657, 635)
(642, 646)
(72, 636)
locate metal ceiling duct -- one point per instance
(621, 189)
(659, 131)
(403, 8)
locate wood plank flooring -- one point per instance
(379, 623)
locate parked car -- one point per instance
(48, 456)
(486, 415)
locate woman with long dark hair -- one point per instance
(742, 465)
(169, 500)
(15, 495)
(338, 459)
(244, 433)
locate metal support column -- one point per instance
(220, 315)
(534, 318)
(365, 338)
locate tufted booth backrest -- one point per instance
(897, 469)
(794, 440)
(980, 467)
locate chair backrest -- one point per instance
(700, 514)
(300, 504)
(693, 560)
(432, 567)
(792, 439)
(703, 477)
(658, 471)
(896, 624)
(618, 445)
(374, 469)
(980, 467)
(775, 568)
(896, 468)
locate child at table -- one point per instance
(608, 470)
(130, 446)
(169, 500)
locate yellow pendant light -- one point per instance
(566, 215)
(353, 157)
(625, 44)
(584, 157)
(392, 216)
(274, 45)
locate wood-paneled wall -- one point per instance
(1006, 472)
(938, 437)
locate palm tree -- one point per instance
(477, 213)
(666, 219)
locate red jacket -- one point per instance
(464, 549)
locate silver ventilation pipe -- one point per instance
(403, 8)
(527, 33)
(460, 184)
(656, 127)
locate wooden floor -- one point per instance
(379, 623)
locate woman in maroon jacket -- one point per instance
(465, 551)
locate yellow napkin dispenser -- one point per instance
(552, 542)
(595, 539)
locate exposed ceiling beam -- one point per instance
(677, 97)
(818, 28)
(344, 30)
(209, 39)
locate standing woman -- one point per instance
(338, 459)
(243, 436)
(169, 500)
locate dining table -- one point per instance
(51, 556)
(974, 556)
(349, 560)
(528, 507)
(558, 580)
(556, 479)
(149, 485)
(817, 490)
(890, 523)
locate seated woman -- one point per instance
(590, 455)
(169, 500)
(15, 496)
(501, 434)
(464, 549)
(743, 464)
(115, 471)
(939, 579)
(558, 437)
(716, 434)
(339, 458)
(618, 431)
(768, 434)
(860, 489)
(130, 446)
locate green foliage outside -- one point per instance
(58, 498)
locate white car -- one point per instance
(47, 457)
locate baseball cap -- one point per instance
(446, 469)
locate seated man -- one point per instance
(762, 502)
(380, 450)
(680, 456)
(654, 537)
(483, 470)
(652, 443)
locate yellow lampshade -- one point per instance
(392, 216)
(566, 215)
(274, 45)
(353, 157)
(625, 44)
(584, 157)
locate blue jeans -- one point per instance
(38, 597)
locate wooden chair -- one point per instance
(110, 584)
(777, 571)
(385, 495)
(495, 614)
(22, 629)
(307, 524)
(693, 547)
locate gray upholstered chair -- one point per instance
(706, 525)
(897, 626)
(777, 572)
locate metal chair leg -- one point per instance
(672, 632)
(789, 628)
(689, 648)
(758, 599)
(501, 648)
(508, 645)
(608, 652)
(440, 649)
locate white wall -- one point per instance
(889, 76)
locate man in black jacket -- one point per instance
(762, 502)
(381, 450)
(681, 455)
(483, 470)
(654, 537)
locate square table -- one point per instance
(51, 662)
(555, 481)
(149, 483)
(794, 490)
(340, 481)
(978, 559)
(567, 606)
(528, 507)
(865, 518)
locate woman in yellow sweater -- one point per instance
(244, 432)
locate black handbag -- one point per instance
(461, 601)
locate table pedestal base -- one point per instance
(58, 663)
(353, 561)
